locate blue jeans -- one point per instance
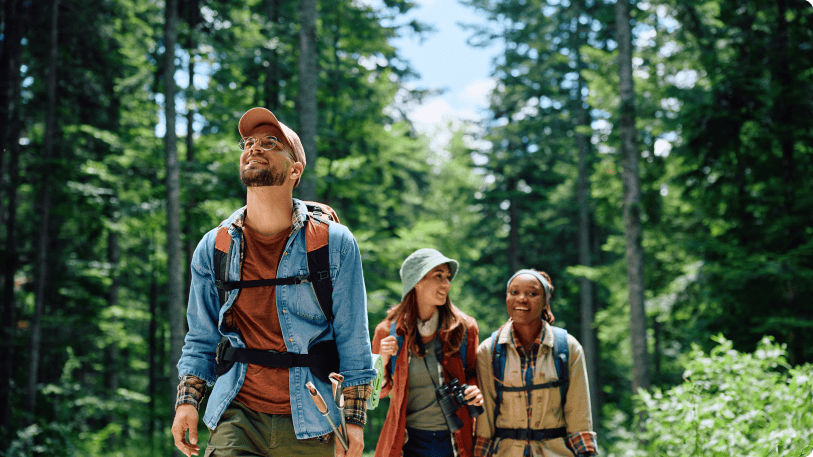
(426, 443)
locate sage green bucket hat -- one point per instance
(421, 262)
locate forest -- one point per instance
(653, 156)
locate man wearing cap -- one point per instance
(267, 410)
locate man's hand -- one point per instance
(355, 442)
(186, 418)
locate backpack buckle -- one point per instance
(322, 275)
(303, 278)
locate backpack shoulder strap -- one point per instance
(561, 360)
(317, 241)
(322, 211)
(497, 367)
(223, 247)
(400, 341)
(463, 346)
(497, 357)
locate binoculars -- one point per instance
(450, 398)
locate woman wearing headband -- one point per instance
(422, 342)
(534, 380)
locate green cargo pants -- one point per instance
(243, 432)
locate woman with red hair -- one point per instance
(427, 343)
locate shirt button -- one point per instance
(284, 311)
(291, 339)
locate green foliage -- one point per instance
(731, 403)
(87, 420)
(723, 106)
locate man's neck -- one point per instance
(269, 209)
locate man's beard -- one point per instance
(262, 178)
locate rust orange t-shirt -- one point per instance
(255, 313)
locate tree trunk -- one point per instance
(10, 138)
(785, 107)
(513, 227)
(174, 255)
(189, 242)
(10, 261)
(306, 103)
(272, 76)
(190, 111)
(152, 338)
(335, 78)
(587, 308)
(632, 200)
(41, 278)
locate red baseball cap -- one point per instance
(259, 116)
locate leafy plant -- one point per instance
(731, 403)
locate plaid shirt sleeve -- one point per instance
(582, 443)
(481, 446)
(355, 403)
(190, 390)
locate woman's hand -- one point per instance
(474, 396)
(389, 347)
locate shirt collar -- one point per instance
(298, 216)
(507, 336)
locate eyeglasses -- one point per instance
(267, 143)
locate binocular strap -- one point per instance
(439, 357)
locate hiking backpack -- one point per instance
(316, 243)
(322, 358)
(560, 360)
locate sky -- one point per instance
(444, 60)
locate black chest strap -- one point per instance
(529, 434)
(322, 358)
(293, 280)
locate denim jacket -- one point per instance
(301, 319)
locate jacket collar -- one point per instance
(298, 217)
(506, 335)
(400, 326)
